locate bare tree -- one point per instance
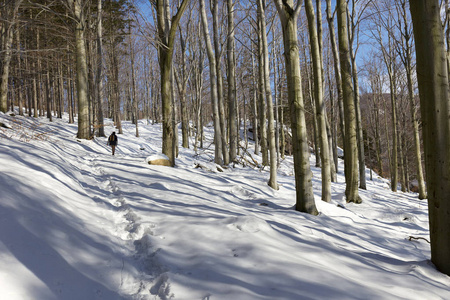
(385, 23)
(77, 11)
(319, 103)
(232, 110)
(134, 98)
(350, 140)
(167, 27)
(197, 79)
(268, 91)
(355, 18)
(218, 51)
(405, 53)
(254, 105)
(288, 13)
(218, 157)
(181, 78)
(432, 77)
(10, 15)
(337, 71)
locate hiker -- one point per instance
(112, 141)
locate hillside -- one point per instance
(79, 223)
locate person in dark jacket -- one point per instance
(112, 141)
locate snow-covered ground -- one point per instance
(79, 223)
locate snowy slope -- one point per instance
(78, 223)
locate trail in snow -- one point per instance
(78, 223)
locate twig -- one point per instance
(418, 238)
(254, 160)
(248, 162)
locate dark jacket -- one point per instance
(112, 140)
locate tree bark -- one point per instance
(255, 106)
(262, 101)
(20, 81)
(198, 84)
(432, 77)
(350, 142)
(271, 127)
(408, 67)
(303, 176)
(167, 27)
(220, 100)
(394, 165)
(320, 105)
(337, 71)
(9, 27)
(181, 79)
(99, 78)
(84, 131)
(135, 101)
(359, 131)
(333, 127)
(232, 110)
(218, 157)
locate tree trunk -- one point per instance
(61, 109)
(333, 128)
(116, 94)
(198, 83)
(435, 109)
(350, 142)
(135, 102)
(101, 129)
(417, 151)
(90, 76)
(35, 97)
(271, 128)
(320, 105)
(401, 162)
(220, 100)
(175, 149)
(378, 141)
(303, 175)
(255, 106)
(394, 165)
(166, 97)
(359, 130)
(181, 79)
(218, 157)
(262, 100)
(353, 32)
(9, 26)
(20, 81)
(82, 80)
(69, 89)
(414, 121)
(277, 85)
(167, 27)
(232, 110)
(48, 94)
(337, 71)
(447, 35)
(309, 95)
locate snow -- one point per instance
(79, 223)
(156, 156)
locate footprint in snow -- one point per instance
(240, 192)
(248, 224)
(159, 186)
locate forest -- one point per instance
(366, 76)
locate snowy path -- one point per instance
(78, 223)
